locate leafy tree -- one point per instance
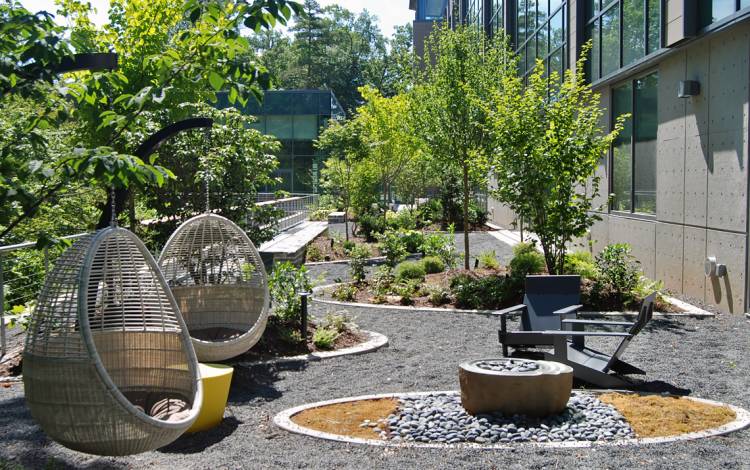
(448, 109)
(167, 48)
(549, 143)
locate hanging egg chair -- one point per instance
(109, 367)
(220, 285)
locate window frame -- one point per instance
(532, 35)
(611, 154)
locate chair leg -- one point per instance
(505, 350)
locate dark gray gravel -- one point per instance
(704, 357)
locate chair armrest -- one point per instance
(567, 310)
(584, 333)
(598, 322)
(509, 310)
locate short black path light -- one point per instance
(303, 313)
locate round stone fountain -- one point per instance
(515, 386)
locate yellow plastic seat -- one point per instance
(216, 380)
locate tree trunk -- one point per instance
(131, 212)
(121, 197)
(466, 217)
(346, 221)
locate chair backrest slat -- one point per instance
(644, 316)
(546, 294)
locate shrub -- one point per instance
(477, 215)
(338, 322)
(324, 338)
(438, 295)
(348, 245)
(358, 255)
(313, 253)
(441, 245)
(402, 220)
(382, 279)
(370, 224)
(410, 270)
(488, 259)
(486, 292)
(406, 290)
(524, 247)
(581, 263)
(392, 246)
(429, 212)
(344, 292)
(433, 264)
(528, 262)
(290, 335)
(320, 215)
(285, 283)
(412, 240)
(618, 268)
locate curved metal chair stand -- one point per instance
(220, 284)
(105, 344)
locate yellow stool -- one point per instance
(216, 379)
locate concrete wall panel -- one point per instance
(670, 180)
(729, 291)
(697, 66)
(728, 79)
(696, 179)
(669, 247)
(693, 279)
(641, 235)
(727, 181)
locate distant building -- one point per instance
(296, 118)
(427, 13)
(679, 171)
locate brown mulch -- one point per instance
(662, 416)
(345, 419)
(336, 252)
(11, 365)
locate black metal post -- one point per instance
(303, 313)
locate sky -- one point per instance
(390, 13)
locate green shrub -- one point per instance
(392, 246)
(290, 335)
(441, 245)
(527, 262)
(344, 292)
(524, 247)
(438, 295)
(429, 213)
(285, 283)
(488, 259)
(618, 268)
(410, 270)
(406, 290)
(358, 260)
(433, 264)
(339, 322)
(412, 240)
(382, 279)
(348, 245)
(473, 292)
(581, 263)
(323, 338)
(370, 224)
(320, 215)
(313, 253)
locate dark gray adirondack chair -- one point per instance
(593, 366)
(546, 300)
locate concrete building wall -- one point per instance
(701, 176)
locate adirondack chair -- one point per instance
(546, 300)
(591, 365)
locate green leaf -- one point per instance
(216, 80)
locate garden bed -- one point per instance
(437, 418)
(328, 248)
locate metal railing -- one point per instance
(296, 209)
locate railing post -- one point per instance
(2, 309)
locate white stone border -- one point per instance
(374, 342)
(284, 421)
(693, 311)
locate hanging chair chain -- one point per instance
(113, 218)
(207, 132)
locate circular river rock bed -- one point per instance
(435, 419)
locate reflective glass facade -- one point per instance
(621, 32)
(541, 33)
(497, 16)
(633, 173)
(711, 11)
(431, 10)
(295, 117)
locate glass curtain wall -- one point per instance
(621, 32)
(497, 17)
(474, 13)
(711, 11)
(633, 174)
(541, 33)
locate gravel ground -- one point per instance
(704, 357)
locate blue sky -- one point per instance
(391, 13)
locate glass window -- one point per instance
(654, 26)
(644, 155)
(592, 64)
(634, 150)
(521, 22)
(434, 9)
(610, 40)
(622, 149)
(541, 42)
(539, 35)
(497, 16)
(279, 126)
(710, 11)
(305, 127)
(557, 30)
(633, 31)
(541, 12)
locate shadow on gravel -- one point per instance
(40, 459)
(668, 325)
(17, 424)
(659, 386)
(254, 382)
(198, 442)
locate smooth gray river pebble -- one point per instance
(440, 418)
(507, 365)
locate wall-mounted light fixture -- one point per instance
(688, 89)
(712, 268)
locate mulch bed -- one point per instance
(335, 251)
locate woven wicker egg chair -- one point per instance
(106, 347)
(220, 284)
